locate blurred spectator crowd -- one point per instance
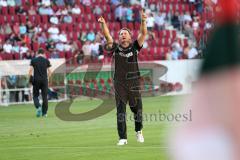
(68, 29)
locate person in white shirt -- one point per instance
(67, 47)
(60, 46)
(54, 37)
(192, 53)
(150, 22)
(3, 3)
(54, 19)
(187, 17)
(87, 49)
(53, 30)
(37, 29)
(160, 20)
(208, 25)
(118, 13)
(11, 3)
(115, 2)
(23, 49)
(62, 37)
(95, 49)
(143, 3)
(67, 18)
(176, 46)
(76, 9)
(44, 10)
(58, 12)
(7, 47)
(86, 2)
(64, 11)
(46, 2)
(135, 2)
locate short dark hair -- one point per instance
(40, 51)
(126, 29)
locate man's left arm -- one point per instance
(143, 29)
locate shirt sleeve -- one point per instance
(137, 46)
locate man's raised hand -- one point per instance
(143, 16)
(101, 20)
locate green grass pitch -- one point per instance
(25, 137)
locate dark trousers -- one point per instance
(128, 92)
(43, 86)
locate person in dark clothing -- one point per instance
(175, 21)
(40, 69)
(127, 76)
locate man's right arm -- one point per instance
(106, 32)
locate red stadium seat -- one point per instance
(75, 36)
(61, 55)
(30, 18)
(7, 56)
(8, 19)
(48, 55)
(15, 19)
(12, 10)
(130, 26)
(107, 8)
(79, 19)
(137, 25)
(96, 26)
(111, 25)
(30, 2)
(69, 28)
(43, 45)
(37, 19)
(173, 34)
(1, 19)
(44, 19)
(117, 26)
(35, 46)
(68, 55)
(83, 27)
(4, 10)
(16, 56)
(167, 33)
(90, 26)
(88, 10)
(63, 27)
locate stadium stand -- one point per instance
(177, 29)
(62, 28)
